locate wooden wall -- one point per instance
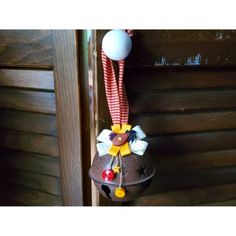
(28, 127)
(182, 91)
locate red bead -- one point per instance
(108, 175)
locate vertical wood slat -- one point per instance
(65, 52)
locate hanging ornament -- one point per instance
(120, 170)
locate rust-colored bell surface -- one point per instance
(136, 172)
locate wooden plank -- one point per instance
(29, 142)
(192, 142)
(29, 197)
(143, 101)
(184, 48)
(173, 181)
(68, 114)
(26, 48)
(43, 183)
(87, 72)
(37, 79)
(41, 164)
(186, 35)
(190, 197)
(36, 101)
(160, 79)
(28, 121)
(3, 178)
(165, 123)
(197, 160)
(221, 203)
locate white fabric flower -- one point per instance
(138, 146)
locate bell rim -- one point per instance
(124, 184)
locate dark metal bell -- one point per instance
(137, 172)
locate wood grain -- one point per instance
(36, 79)
(38, 163)
(29, 197)
(167, 79)
(87, 108)
(173, 181)
(221, 203)
(172, 48)
(26, 48)
(166, 123)
(192, 142)
(191, 197)
(28, 121)
(196, 160)
(152, 101)
(35, 101)
(43, 183)
(29, 142)
(68, 114)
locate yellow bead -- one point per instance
(120, 192)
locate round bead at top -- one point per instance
(117, 44)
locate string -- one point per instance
(111, 162)
(121, 172)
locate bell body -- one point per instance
(137, 172)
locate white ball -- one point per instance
(117, 44)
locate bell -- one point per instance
(136, 173)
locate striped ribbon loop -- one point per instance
(115, 93)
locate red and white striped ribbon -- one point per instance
(116, 94)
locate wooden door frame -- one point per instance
(67, 90)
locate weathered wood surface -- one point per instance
(35, 101)
(43, 183)
(170, 79)
(22, 196)
(152, 101)
(163, 182)
(3, 178)
(34, 79)
(167, 123)
(221, 203)
(195, 160)
(87, 106)
(38, 163)
(160, 48)
(68, 114)
(30, 154)
(29, 142)
(28, 121)
(192, 142)
(191, 197)
(26, 48)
